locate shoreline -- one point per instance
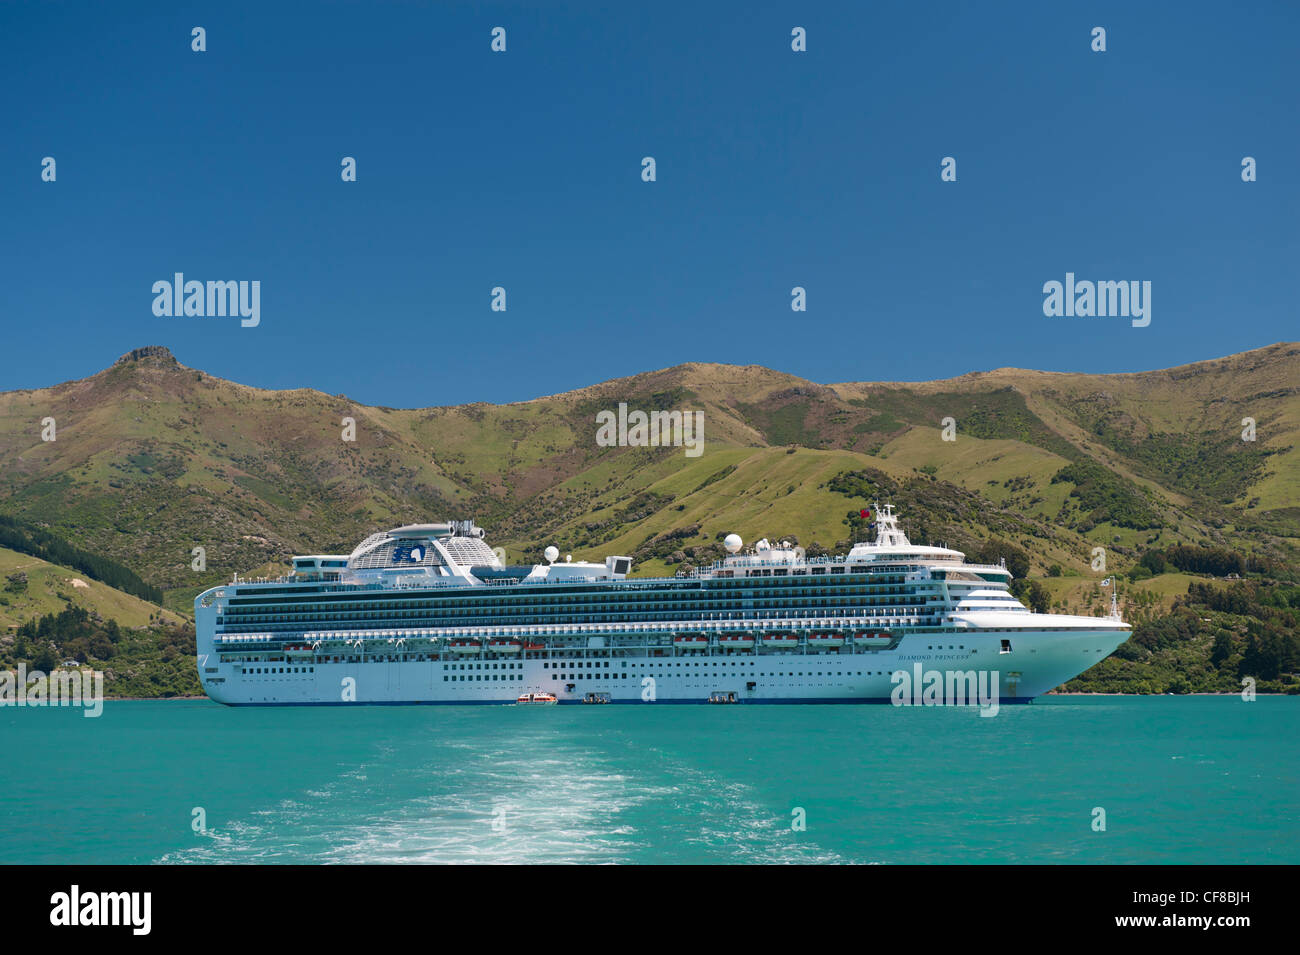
(176, 699)
(1224, 693)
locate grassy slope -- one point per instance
(153, 655)
(50, 588)
(154, 458)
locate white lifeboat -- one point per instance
(466, 646)
(825, 641)
(780, 641)
(691, 641)
(873, 638)
(736, 641)
(505, 646)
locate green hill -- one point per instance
(152, 459)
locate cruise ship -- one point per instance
(429, 613)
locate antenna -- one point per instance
(1114, 596)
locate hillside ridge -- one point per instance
(154, 458)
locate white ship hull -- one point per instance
(1038, 662)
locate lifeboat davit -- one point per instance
(780, 641)
(466, 646)
(736, 641)
(505, 646)
(825, 641)
(691, 641)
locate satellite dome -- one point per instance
(733, 543)
(551, 553)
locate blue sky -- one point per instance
(522, 170)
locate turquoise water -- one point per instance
(1182, 780)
